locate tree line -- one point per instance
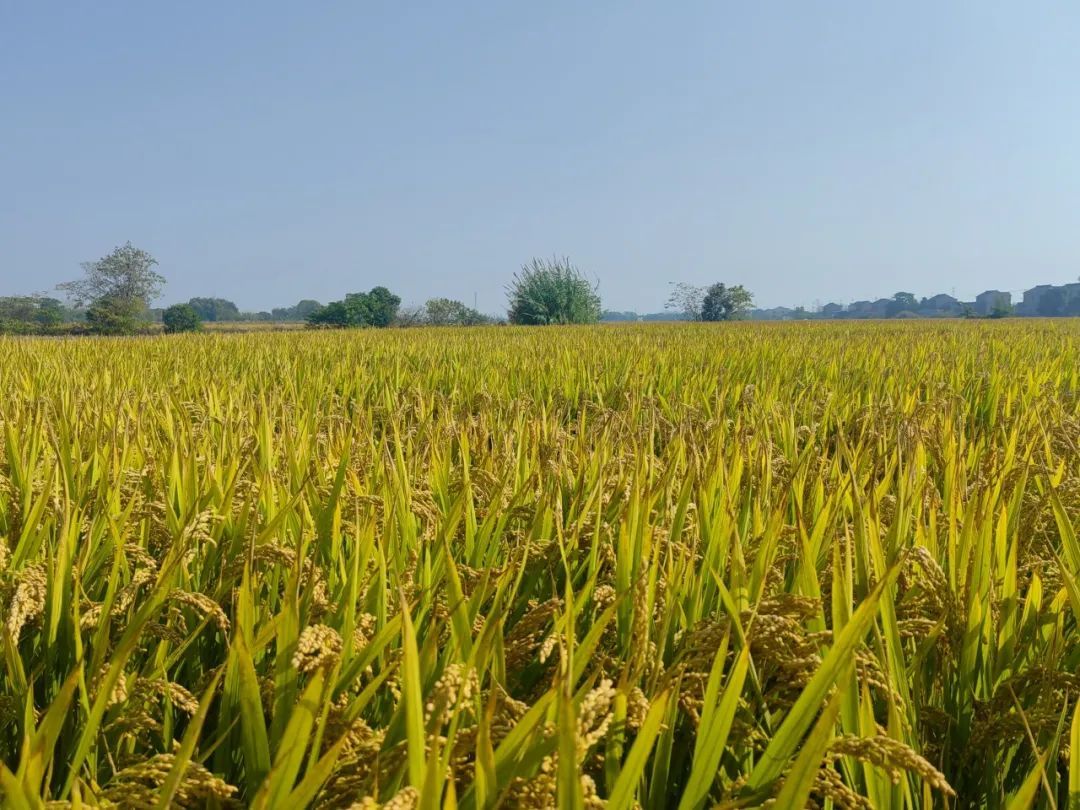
(114, 296)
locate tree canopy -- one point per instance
(722, 303)
(30, 314)
(378, 307)
(112, 315)
(126, 274)
(301, 312)
(686, 299)
(181, 318)
(117, 289)
(448, 312)
(901, 302)
(215, 309)
(718, 302)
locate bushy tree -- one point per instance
(50, 312)
(901, 302)
(181, 318)
(378, 308)
(215, 309)
(112, 315)
(382, 306)
(34, 311)
(301, 312)
(30, 313)
(552, 292)
(306, 307)
(723, 303)
(118, 289)
(717, 302)
(448, 312)
(334, 314)
(358, 309)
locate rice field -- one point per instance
(655, 566)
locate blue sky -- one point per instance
(270, 151)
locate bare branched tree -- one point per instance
(125, 275)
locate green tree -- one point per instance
(378, 307)
(901, 302)
(215, 309)
(301, 312)
(49, 312)
(382, 306)
(118, 289)
(30, 313)
(181, 318)
(334, 314)
(442, 311)
(112, 315)
(448, 312)
(358, 307)
(722, 303)
(552, 292)
(306, 307)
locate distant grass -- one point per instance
(662, 565)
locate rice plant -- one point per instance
(786, 565)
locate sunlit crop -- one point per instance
(647, 565)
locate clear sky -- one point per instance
(271, 151)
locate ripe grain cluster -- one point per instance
(647, 566)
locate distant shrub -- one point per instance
(723, 303)
(115, 316)
(180, 318)
(552, 292)
(448, 312)
(378, 308)
(215, 309)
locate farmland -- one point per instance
(660, 565)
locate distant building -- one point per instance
(1051, 301)
(1072, 297)
(940, 304)
(1043, 300)
(1032, 299)
(987, 302)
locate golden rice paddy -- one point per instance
(830, 565)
